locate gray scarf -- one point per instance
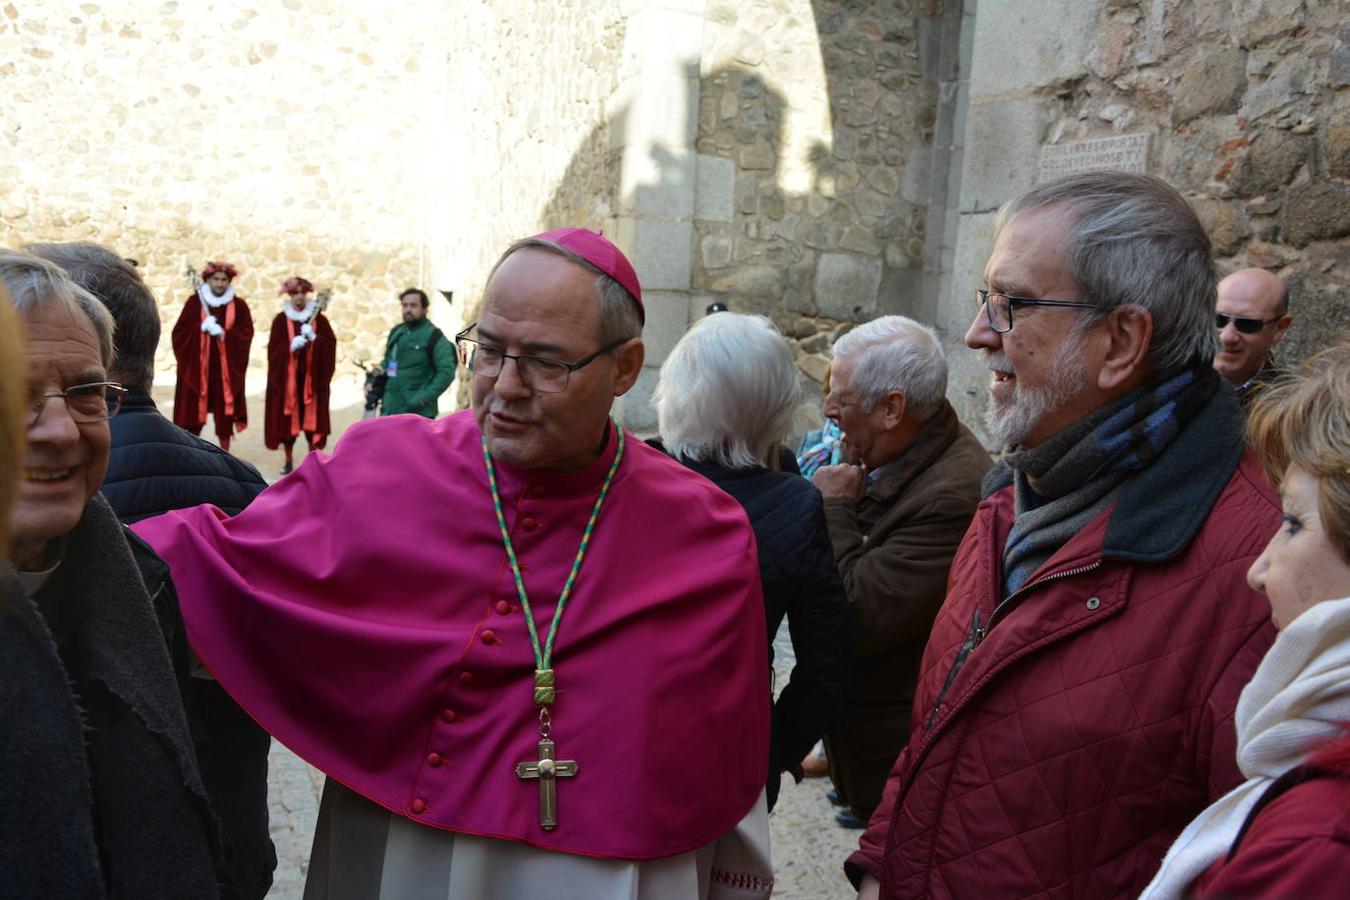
(1060, 485)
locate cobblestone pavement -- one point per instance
(808, 847)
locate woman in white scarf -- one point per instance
(1285, 832)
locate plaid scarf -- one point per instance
(1062, 484)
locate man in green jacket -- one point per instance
(418, 359)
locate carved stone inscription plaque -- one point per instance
(1127, 153)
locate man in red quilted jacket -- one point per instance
(1075, 702)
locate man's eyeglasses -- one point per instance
(1243, 324)
(85, 403)
(999, 307)
(547, 376)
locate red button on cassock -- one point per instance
(488, 637)
(434, 760)
(449, 715)
(503, 608)
(465, 677)
(529, 524)
(419, 806)
(537, 491)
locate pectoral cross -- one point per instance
(547, 770)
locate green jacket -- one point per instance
(420, 375)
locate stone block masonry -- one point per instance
(1242, 106)
(816, 161)
(284, 137)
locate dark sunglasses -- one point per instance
(1246, 326)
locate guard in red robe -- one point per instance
(301, 357)
(211, 341)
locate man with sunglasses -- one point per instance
(1075, 704)
(1252, 316)
(100, 791)
(527, 648)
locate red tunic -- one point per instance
(300, 402)
(1299, 845)
(222, 397)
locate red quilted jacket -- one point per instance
(1299, 844)
(1060, 743)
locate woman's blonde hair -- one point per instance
(1303, 419)
(13, 379)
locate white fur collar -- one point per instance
(210, 299)
(300, 316)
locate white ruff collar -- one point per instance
(210, 299)
(300, 315)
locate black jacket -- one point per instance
(155, 466)
(99, 788)
(801, 582)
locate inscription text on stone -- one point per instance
(1127, 153)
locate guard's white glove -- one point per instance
(308, 331)
(298, 343)
(212, 327)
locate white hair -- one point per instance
(727, 392)
(33, 282)
(895, 353)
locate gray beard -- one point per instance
(1009, 423)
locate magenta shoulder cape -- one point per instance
(363, 611)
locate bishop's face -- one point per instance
(541, 304)
(299, 300)
(219, 283)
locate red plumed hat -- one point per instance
(214, 267)
(296, 285)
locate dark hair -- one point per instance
(426, 301)
(119, 287)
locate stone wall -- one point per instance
(530, 128)
(819, 161)
(286, 137)
(1244, 107)
(528, 137)
(822, 159)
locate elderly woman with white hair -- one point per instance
(725, 403)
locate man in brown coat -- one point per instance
(895, 522)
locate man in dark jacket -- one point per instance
(418, 359)
(1075, 702)
(895, 522)
(155, 466)
(100, 793)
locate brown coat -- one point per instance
(894, 549)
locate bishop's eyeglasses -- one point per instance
(86, 403)
(540, 373)
(999, 307)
